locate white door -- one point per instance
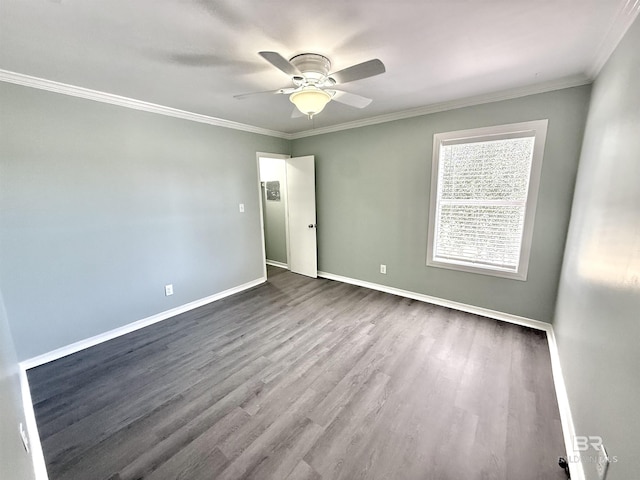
(301, 200)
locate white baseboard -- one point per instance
(485, 312)
(568, 429)
(273, 263)
(131, 327)
(37, 457)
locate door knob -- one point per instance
(312, 225)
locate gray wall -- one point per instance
(597, 322)
(103, 205)
(15, 463)
(275, 227)
(373, 187)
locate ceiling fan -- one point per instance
(313, 84)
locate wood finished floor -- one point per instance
(303, 379)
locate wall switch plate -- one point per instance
(241, 207)
(602, 465)
(168, 290)
(24, 437)
(383, 269)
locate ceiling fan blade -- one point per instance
(359, 71)
(285, 91)
(281, 63)
(350, 99)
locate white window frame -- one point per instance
(536, 129)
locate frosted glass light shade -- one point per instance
(310, 100)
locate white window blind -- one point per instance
(482, 191)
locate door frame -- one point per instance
(279, 156)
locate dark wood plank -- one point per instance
(305, 379)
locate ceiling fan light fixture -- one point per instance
(310, 100)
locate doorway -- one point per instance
(288, 212)
(274, 210)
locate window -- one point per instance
(484, 185)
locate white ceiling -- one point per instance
(194, 55)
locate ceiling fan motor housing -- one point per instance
(313, 67)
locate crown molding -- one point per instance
(625, 17)
(568, 82)
(88, 94)
(81, 92)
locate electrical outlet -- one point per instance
(383, 269)
(602, 466)
(168, 290)
(241, 207)
(24, 437)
